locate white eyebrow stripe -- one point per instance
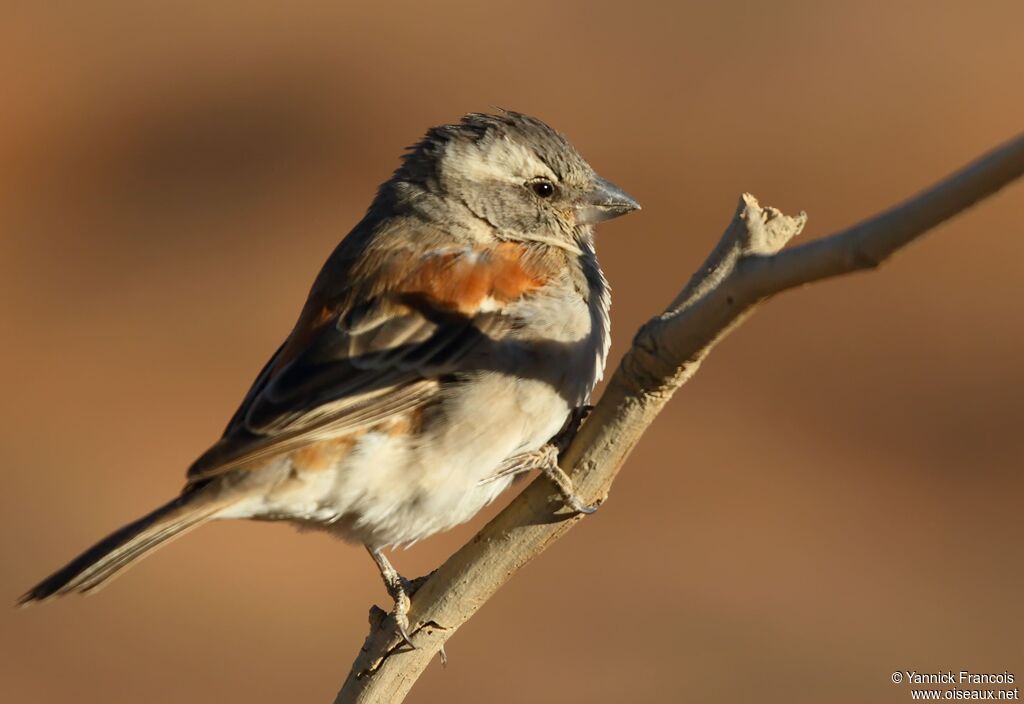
(503, 160)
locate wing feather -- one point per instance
(358, 357)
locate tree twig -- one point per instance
(746, 267)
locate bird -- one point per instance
(448, 339)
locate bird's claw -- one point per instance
(402, 624)
(548, 465)
(399, 589)
(574, 502)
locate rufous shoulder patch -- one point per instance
(465, 279)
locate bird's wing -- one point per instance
(380, 332)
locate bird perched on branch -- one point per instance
(444, 343)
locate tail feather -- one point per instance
(95, 566)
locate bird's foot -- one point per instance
(399, 589)
(413, 585)
(547, 462)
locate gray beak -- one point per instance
(604, 202)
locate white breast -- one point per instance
(393, 490)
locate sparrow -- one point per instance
(447, 339)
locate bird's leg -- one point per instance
(398, 589)
(546, 460)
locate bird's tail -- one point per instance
(90, 570)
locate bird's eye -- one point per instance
(544, 189)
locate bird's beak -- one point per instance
(604, 202)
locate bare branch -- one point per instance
(746, 267)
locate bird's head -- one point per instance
(516, 174)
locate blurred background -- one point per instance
(837, 495)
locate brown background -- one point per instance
(837, 495)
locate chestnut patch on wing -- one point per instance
(327, 454)
(409, 423)
(463, 280)
(323, 454)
